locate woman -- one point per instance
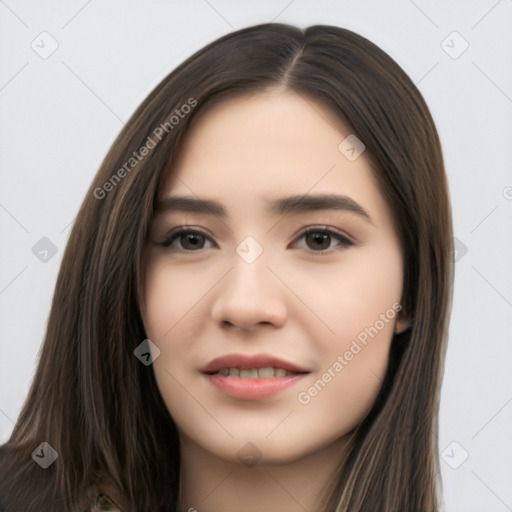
(252, 308)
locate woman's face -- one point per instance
(249, 285)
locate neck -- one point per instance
(211, 484)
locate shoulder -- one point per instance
(1, 489)
(102, 503)
(107, 497)
(30, 489)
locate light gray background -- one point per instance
(60, 114)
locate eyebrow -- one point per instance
(280, 206)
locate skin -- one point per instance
(291, 302)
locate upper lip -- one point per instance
(245, 361)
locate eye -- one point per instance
(319, 239)
(190, 240)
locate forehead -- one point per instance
(253, 148)
(264, 132)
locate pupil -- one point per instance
(193, 239)
(321, 238)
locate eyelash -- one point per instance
(324, 230)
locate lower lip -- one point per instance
(252, 389)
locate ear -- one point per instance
(402, 322)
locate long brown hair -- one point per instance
(94, 402)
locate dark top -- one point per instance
(102, 503)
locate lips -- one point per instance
(252, 377)
(245, 362)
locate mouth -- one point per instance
(267, 372)
(252, 377)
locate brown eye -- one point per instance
(187, 240)
(319, 240)
(191, 241)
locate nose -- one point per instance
(250, 296)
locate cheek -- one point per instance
(360, 307)
(176, 313)
(167, 301)
(172, 297)
(172, 319)
(341, 393)
(355, 293)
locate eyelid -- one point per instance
(332, 232)
(344, 239)
(181, 230)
